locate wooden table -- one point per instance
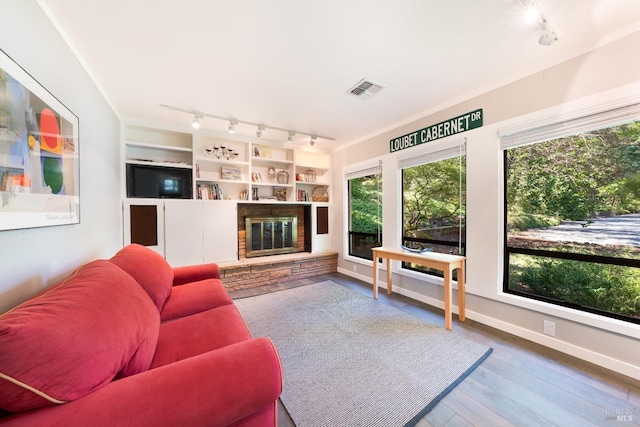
(443, 262)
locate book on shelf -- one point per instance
(210, 192)
(303, 196)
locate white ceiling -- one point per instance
(289, 63)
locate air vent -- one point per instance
(365, 89)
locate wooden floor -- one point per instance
(520, 384)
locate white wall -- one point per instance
(33, 259)
(608, 72)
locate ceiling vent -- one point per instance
(365, 89)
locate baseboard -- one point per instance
(538, 338)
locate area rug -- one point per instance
(350, 360)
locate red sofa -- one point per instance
(131, 341)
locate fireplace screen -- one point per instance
(271, 235)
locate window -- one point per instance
(434, 204)
(572, 215)
(365, 211)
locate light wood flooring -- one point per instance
(520, 384)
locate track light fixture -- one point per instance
(533, 16)
(196, 121)
(197, 115)
(547, 34)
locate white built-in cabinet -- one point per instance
(223, 173)
(185, 232)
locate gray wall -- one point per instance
(33, 259)
(609, 72)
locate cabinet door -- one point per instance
(183, 232)
(220, 231)
(143, 223)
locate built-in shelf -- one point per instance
(172, 149)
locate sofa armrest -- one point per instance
(193, 273)
(217, 388)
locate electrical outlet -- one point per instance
(549, 328)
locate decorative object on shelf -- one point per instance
(271, 173)
(230, 173)
(283, 177)
(319, 194)
(280, 193)
(39, 172)
(254, 193)
(256, 151)
(310, 175)
(222, 151)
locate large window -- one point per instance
(572, 218)
(434, 204)
(365, 212)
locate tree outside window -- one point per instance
(572, 221)
(365, 214)
(434, 208)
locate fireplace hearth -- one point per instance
(271, 235)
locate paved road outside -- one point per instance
(615, 230)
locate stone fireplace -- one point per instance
(271, 229)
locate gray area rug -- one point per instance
(350, 360)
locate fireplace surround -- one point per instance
(270, 235)
(274, 210)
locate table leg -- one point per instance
(388, 276)
(461, 292)
(375, 276)
(447, 298)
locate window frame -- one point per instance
(360, 170)
(569, 125)
(454, 149)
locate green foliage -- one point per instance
(431, 194)
(366, 204)
(577, 177)
(524, 221)
(611, 288)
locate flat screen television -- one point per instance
(158, 182)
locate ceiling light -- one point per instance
(291, 135)
(313, 140)
(196, 121)
(260, 130)
(232, 126)
(547, 35)
(531, 14)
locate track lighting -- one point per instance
(533, 16)
(232, 126)
(547, 35)
(196, 121)
(234, 122)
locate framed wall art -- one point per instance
(230, 173)
(39, 163)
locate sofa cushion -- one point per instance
(75, 338)
(149, 269)
(193, 298)
(196, 334)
